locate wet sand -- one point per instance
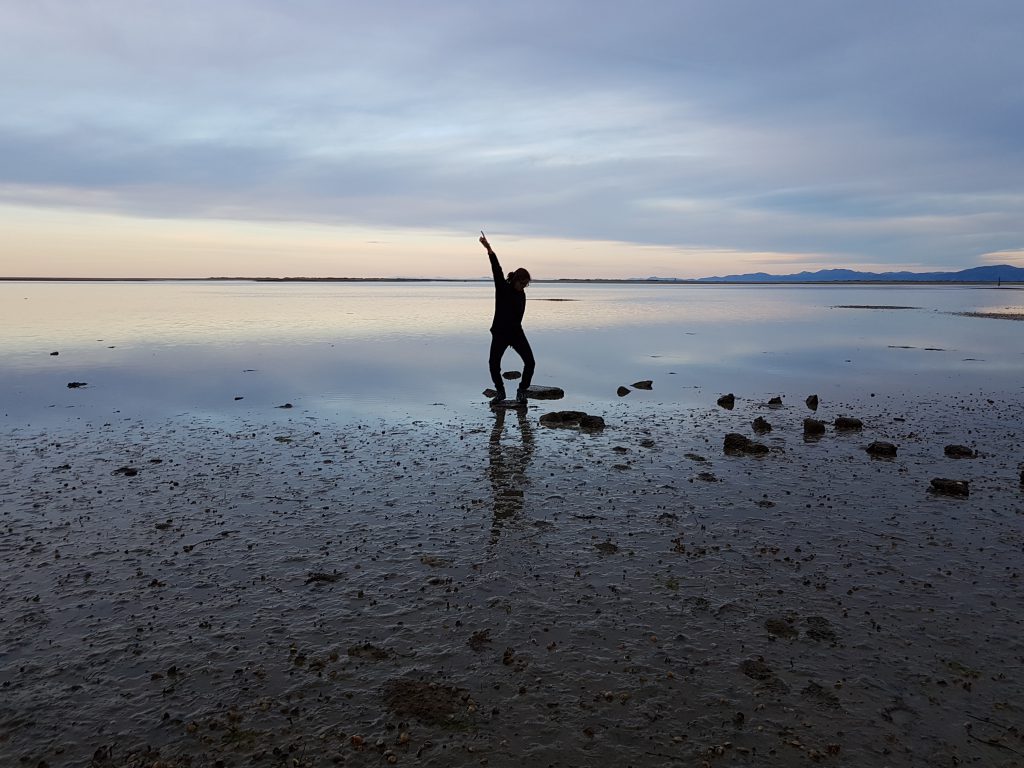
(484, 590)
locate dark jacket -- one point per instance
(509, 304)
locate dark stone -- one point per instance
(510, 375)
(882, 449)
(848, 424)
(822, 696)
(814, 427)
(812, 402)
(562, 418)
(727, 401)
(960, 452)
(54, 354)
(286, 405)
(756, 669)
(781, 628)
(761, 426)
(645, 384)
(579, 419)
(944, 487)
(126, 471)
(367, 651)
(622, 391)
(775, 402)
(322, 578)
(539, 392)
(739, 445)
(508, 404)
(76, 384)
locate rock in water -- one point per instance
(727, 401)
(538, 392)
(622, 391)
(562, 418)
(740, 445)
(946, 487)
(510, 375)
(76, 384)
(534, 392)
(775, 402)
(584, 421)
(812, 402)
(761, 426)
(960, 452)
(882, 449)
(508, 404)
(814, 427)
(848, 424)
(645, 384)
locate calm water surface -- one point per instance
(344, 349)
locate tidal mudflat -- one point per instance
(479, 589)
(388, 572)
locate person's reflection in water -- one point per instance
(507, 469)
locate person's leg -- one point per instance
(498, 347)
(522, 348)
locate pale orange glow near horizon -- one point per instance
(68, 243)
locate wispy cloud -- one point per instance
(871, 133)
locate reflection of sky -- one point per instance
(194, 347)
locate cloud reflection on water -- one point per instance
(345, 348)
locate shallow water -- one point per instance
(368, 578)
(344, 350)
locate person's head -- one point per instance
(519, 279)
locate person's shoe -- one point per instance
(521, 396)
(500, 397)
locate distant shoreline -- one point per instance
(556, 281)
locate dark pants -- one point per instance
(502, 340)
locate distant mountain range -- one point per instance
(993, 274)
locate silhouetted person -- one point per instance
(507, 470)
(507, 326)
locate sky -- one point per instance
(670, 138)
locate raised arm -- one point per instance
(499, 277)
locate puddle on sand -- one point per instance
(492, 591)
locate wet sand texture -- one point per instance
(488, 591)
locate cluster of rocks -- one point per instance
(729, 402)
(816, 427)
(737, 444)
(645, 384)
(534, 391)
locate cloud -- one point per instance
(1013, 256)
(857, 134)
